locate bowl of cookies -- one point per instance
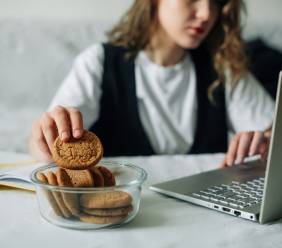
(81, 190)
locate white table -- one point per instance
(161, 222)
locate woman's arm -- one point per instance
(74, 107)
(249, 107)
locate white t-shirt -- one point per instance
(167, 99)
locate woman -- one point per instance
(172, 79)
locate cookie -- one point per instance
(109, 211)
(101, 220)
(70, 199)
(80, 178)
(112, 199)
(109, 178)
(98, 177)
(52, 180)
(43, 179)
(78, 154)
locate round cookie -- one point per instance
(70, 199)
(109, 178)
(43, 179)
(52, 180)
(80, 178)
(109, 211)
(111, 199)
(78, 154)
(98, 177)
(101, 220)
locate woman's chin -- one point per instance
(191, 43)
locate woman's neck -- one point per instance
(163, 51)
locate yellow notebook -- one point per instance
(17, 174)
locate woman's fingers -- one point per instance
(263, 149)
(260, 144)
(223, 164)
(239, 148)
(244, 145)
(68, 121)
(232, 150)
(49, 129)
(40, 140)
(65, 122)
(76, 122)
(61, 118)
(257, 140)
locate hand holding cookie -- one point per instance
(78, 154)
(77, 161)
(64, 122)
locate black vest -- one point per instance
(119, 126)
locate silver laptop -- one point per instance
(251, 190)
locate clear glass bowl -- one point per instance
(129, 179)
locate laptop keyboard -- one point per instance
(236, 194)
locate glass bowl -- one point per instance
(54, 201)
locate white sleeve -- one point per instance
(82, 87)
(249, 106)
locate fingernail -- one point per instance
(77, 133)
(64, 135)
(251, 153)
(239, 161)
(229, 163)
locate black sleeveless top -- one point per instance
(119, 126)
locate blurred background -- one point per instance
(39, 40)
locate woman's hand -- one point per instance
(246, 144)
(65, 122)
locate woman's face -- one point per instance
(187, 22)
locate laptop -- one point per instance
(251, 190)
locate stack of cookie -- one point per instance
(77, 167)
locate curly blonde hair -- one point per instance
(224, 41)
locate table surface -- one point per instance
(161, 222)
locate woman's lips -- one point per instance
(198, 30)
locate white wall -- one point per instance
(111, 9)
(266, 10)
(97, 9)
